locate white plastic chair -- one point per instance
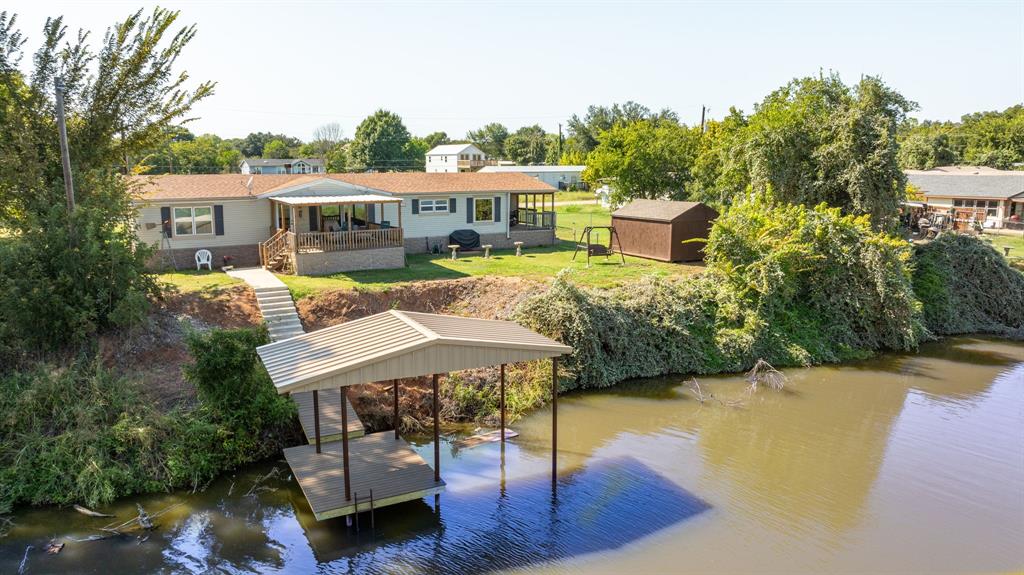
(204, 257)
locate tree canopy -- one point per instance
(527, 145)
(490, 138)
(382, 143)
(994, 139)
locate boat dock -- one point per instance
(363, 472)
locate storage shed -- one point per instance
(656, 229)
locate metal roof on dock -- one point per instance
(397, 344)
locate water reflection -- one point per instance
(902, 463)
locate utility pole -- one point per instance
(559, 142)
(702, 110)
(65, 157)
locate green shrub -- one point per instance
(81, 434)
(966, 286)
(790, 284)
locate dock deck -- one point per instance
(330, 416)
(377, 461)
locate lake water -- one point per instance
(904, 463)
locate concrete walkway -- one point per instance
(275, 302)
(283, 322)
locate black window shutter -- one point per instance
(218, 220)
(314, 219)
(497, 208)
(165, 220)
(371, 212)
(451, 205)
(415, 206)
(469, 210)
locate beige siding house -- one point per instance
(329, 223)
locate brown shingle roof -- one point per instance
(217, 186)
(658, 210)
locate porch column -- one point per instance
(344, 444)
(437, 435)
(277, 214)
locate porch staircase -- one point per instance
(279, 312)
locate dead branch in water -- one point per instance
(764, 374)
(89, 512)
(5, 525)
(143, 520)
(258, 486)
(698, 392)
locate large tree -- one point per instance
(527, 146)
(490, 138)
(206, 154)
(585, 133)
(253, 144)
(382, 143)
(64, 276)
(818, 140)
(644, 159)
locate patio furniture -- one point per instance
(204, 257)
(487, 251)
(1006, 250)
(467, 239)
(519, 248)
(455, 251)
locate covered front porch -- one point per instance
(532, 211)
(316, 235)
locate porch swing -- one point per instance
(599, 249)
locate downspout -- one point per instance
(508, 216)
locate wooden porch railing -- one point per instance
(355, 240)
(535, 219)
(277, 244)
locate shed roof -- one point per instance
(987, 183)
(397, 344)
(657, 210)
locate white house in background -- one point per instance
(282, 166)
(331, 223)
(990, 197)
(453, 158)
(560, 177)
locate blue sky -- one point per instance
(453, 66)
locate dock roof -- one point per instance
(397, 344)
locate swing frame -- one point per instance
(593, 249)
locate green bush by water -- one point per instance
(80, 434)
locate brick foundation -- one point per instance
(325, 263)
(247, 255)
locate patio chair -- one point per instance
(204, 257)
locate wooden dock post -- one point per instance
(503, 406)
(554, 421)
(394, 385)
(344, 444)
(437, 434)
(316, 418)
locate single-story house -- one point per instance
(328, 223)
(659, 229)
(282, 166)
(561, 177)
(993, 198)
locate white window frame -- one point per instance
(434, 203)
(192, 220)
(475, 220)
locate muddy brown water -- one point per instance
(904, 463)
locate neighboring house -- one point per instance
(561, 177)
(283, 166)
(328, 223)
(452, 158)
(990, 197)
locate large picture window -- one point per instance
(483, 209)
(434, 206)
(193, 221)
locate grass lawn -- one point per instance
(536, 263)
(572, 219)
(1015, 242)
(575, 196)
(193, 280)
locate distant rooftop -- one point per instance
(968, 182)
(272, 162)
(533, 169)
(449, 149)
